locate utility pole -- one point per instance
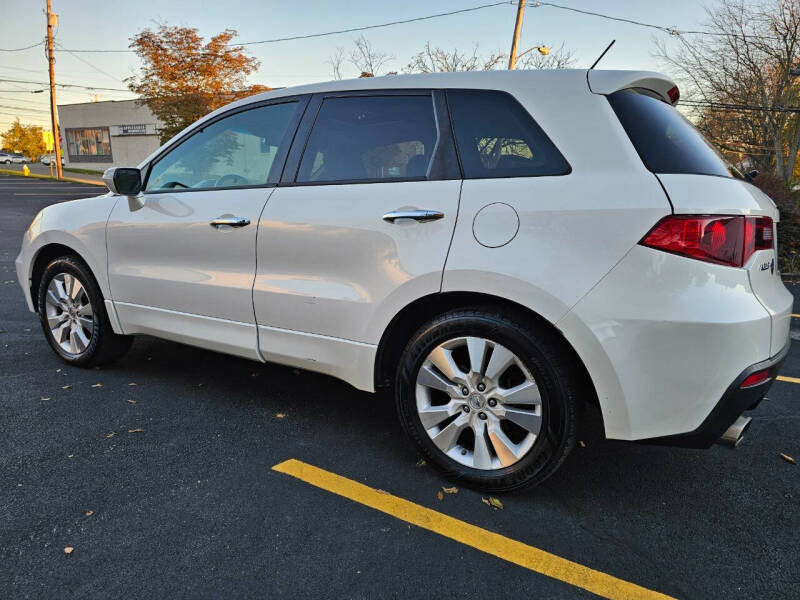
(52, 21)
(512, 57)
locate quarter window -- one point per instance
(370, 138)
(496, 137)
(236, 151)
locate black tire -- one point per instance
(104, 345)
(543, 354)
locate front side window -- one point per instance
(497, 137)
(236, 151)
(89, 144)
(370, 138)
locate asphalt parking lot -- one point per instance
(158, 472)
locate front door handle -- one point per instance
(423, 216)
(230, 222)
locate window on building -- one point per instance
(370, 138)
(236, 151)
(497, 137)
(89, 144)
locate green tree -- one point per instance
(26, 139)
(183, 77)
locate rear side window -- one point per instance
(497, 137)
(370, 138)
(665, 139)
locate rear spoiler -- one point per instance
(608, 82)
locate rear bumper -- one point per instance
(733, 403)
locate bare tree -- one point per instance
(335, 60)
(432, 60)
(367, 59)
(737, 79)
(542, 57)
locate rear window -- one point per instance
(496, 137)
(370, 138)
(665, 139)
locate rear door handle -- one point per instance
(230, 222)
(423, 216)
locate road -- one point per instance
(40, 169)
(158, 472)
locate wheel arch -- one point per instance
(42, 258)
(414, 315)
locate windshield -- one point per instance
(664, 138)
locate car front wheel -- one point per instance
(73, 315)
(487, 399)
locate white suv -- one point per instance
(498, 248)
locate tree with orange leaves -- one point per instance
(183, 77)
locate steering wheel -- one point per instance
(231, 179)
(173, 185)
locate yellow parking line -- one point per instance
(789, 379)
(484, 540)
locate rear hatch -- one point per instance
(698, 181)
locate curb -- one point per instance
(37, 176)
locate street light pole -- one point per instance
(512, 57)
(52, 20)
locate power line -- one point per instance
(69, 85)
(662, 28)
(349, 30)
(96, 68)
(21, 49)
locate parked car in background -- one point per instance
(18, 158)
(498, 248)
(46, 158)
(6, 158)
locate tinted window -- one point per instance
(496, 137)
(370, 138)
(665, 140)
(235, 151)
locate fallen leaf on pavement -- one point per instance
(89, 513)
(131, 401)
(450, 490)
(45, 398)
(110, 435)
(65, 387)
(440, 495)
(137, 430)
(131, 383)
(788, 458)
(280, 415)
(68, 550)
(70, 455)
(493, 502)
(97, 385)
(58, 370)
(421, 462)
(582, 444)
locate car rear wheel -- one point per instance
(73, 315)
(487, 399)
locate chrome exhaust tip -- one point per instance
(735, 433)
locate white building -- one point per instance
(99, 135)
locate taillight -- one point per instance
(725, 240)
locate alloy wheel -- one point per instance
(70, 317)
(478, 403)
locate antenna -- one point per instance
(599, 58)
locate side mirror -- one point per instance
(126, 181)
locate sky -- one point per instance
(109, 24)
